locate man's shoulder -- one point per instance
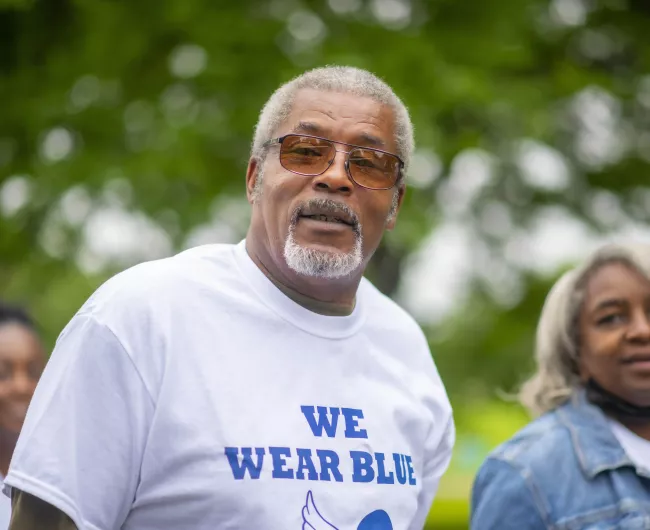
(398, 331)
(194, 265)
(171, 280)
(385, 312)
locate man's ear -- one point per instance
(252, 171)
(390, 224)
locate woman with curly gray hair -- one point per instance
(584, 463)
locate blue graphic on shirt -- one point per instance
(313, 520)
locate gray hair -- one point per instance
(344, 79)
(558, 340)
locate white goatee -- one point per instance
(323, 263)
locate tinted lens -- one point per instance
(305, 155)
(374, 169)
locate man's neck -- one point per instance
(332, 309)
(325, 299)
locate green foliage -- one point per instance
(483, 344)
(479, 76)
(452, 514)
(148, 108)
(481, 425)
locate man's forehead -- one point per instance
(339, 104)
(318, 112)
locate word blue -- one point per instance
(364, 471)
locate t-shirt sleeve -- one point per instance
(434, 467)
(81, 446)
(31, 513)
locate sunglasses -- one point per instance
(369, 168)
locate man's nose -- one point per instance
(335, 178)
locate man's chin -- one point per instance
(321, 261)
(325, 247)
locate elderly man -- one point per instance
(259, 385)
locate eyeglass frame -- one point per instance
(281, 139)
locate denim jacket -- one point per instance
(564, 471)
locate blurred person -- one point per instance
(585, 462)
(22, 358)
(259, 385)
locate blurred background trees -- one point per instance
(125, 130)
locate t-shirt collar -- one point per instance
(334, 327)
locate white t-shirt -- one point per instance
(5, 509)
(190, 393)
(637, 448)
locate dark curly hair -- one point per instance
(13, 314)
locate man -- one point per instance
(22, 359)
(262, 385)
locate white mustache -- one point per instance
(328, 206)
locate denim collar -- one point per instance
(593, 441)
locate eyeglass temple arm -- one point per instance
(273, 141)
